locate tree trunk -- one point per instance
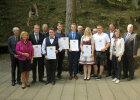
(70, 14)
(135, 4)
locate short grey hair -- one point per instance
(44, 25)
(15, 29)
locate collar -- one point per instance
(51, 37)
(36, 34)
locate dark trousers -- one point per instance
(80, 67)
(73, 62)
(109, 67)
(14, 64)
(60, 57)
(51, 69)
(128, 66)
(117, 67)
(40, 63)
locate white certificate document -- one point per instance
(64, 43)
(74, 45)
(51, 52)
(87, 50)
(100, 44)
(37, 51)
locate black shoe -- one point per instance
(13, 83)
(124, 77)
(23, 87)
(42, 81)
(19, 82)
(108, 75)
(53, 82)
(95, 76)
(33, 82)
(129, 79)
(99, 77)
(47, 82)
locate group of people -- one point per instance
(110, 47)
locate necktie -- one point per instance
(73, 35)
(128, 35)
(37, 38)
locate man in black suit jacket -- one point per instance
(12, 41)
(37, 38)
(131, 47)
(50, 63)
(45, 30)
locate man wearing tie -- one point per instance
(37, 38)
(51, 40)
(12, 41)
(73, 55)
(131, 47)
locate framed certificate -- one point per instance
(64, 43)
(37, 51)
(87, 50)
(74, 45)
(51, 52)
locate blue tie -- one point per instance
(73, 35)
(37, 38)
(128, 35)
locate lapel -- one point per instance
(34, 38)
(129, 39)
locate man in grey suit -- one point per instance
(131, 47)
(12, 41)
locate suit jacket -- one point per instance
(131, 45)
(45, 34)
(33, 40)
(12, 44)
(78, 37)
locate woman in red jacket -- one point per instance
(25, 52)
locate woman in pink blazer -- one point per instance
(25, 52)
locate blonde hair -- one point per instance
(90, 33)
(22, 33)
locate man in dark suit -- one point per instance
(131, 47)
(61, 53)
(12, 41)
(37, 38)
(45, 30)
(50, 63)
(109, 62)
(73, 55)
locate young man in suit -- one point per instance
(12, 41)
(73, 55)
(61, 53)
(50, 63)
(131, 47)
(37, 38)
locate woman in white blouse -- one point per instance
(116, 52)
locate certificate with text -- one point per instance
(37, 51)
(87, 50)
(51, 52)
(74, 45)
(64, 43)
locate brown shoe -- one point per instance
(70, 78)
(76, 77)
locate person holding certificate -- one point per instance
(37, 38)
(102, 42)
(25, 52)
(59, 34)
(50, 49)
(87, 52)
(74, 38)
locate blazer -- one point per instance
(22, 48)
(78, 37)
(119, 47)
(12, 44)
(33, 40)
(131, 45)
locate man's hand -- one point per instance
(56, 51)
(103, 50)
(119, 59)
(70, 50)
(46, 57)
